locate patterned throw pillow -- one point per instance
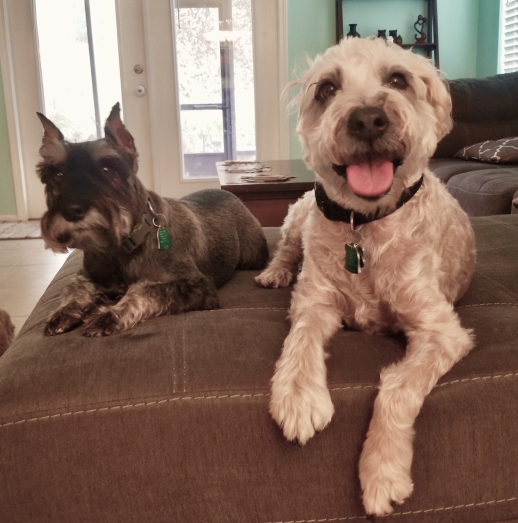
(504, 150)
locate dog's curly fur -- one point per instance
(419, 258)
(96, 203)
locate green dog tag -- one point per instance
(164, 240)
(353, 258)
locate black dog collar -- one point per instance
(141, 230)
(336, 213)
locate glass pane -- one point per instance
(202, 132)
(78, 91)
(106, 52)
(202, 141)
(244, 80)
(199, 72)
(214, 58)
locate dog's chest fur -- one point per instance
(414, 243)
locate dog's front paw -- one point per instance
(64, 320)
(103, 323)
(300, 409)
(210, 302)
(274, 277)
(384, 476)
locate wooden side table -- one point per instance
(269, 201)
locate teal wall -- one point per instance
(458, 34)
(7, 196)
(311, 30)
(468, 33)
(487, 44)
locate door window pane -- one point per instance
(198, 56)
(79, 61)
(214, 58)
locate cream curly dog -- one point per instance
(370, 117)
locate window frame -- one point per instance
(501, 39)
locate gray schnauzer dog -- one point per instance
(144, 256)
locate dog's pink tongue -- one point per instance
(370, 179)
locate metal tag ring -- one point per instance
(156, 219)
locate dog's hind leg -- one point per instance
(253, 251)
(147, 299)
(284, 265)
(77, 300)
(436, 341)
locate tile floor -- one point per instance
(26, 269)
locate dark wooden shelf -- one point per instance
(431, 47)
(419, 46)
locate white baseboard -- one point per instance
(9, 218)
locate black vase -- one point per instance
(382, 33)
(395, 37)
(353, 31)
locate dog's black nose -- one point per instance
(368, 124)
(73, 212)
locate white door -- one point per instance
(183, 115)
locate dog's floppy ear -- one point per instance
(52, 149)
(115, 130)
(439, 98)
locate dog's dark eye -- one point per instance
(108, 172)
(325, 90)
(398, 81)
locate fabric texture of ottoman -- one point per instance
(169, 422)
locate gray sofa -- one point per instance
(483, 109)
(169, 422)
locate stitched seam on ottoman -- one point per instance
(479, 378)
(223, 396)
(513, 305)
(509, 246)
(352, 387)
(245, 309)
(396, 514)
(131, 406)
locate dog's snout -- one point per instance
(368, 123)
(73, 212)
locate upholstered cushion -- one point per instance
(169, 422)
(485, 99)
(502, 151)
(446, 168)
(482, 109)
(485, 192)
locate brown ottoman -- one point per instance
(169, 422)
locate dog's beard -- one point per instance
(97, 231)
